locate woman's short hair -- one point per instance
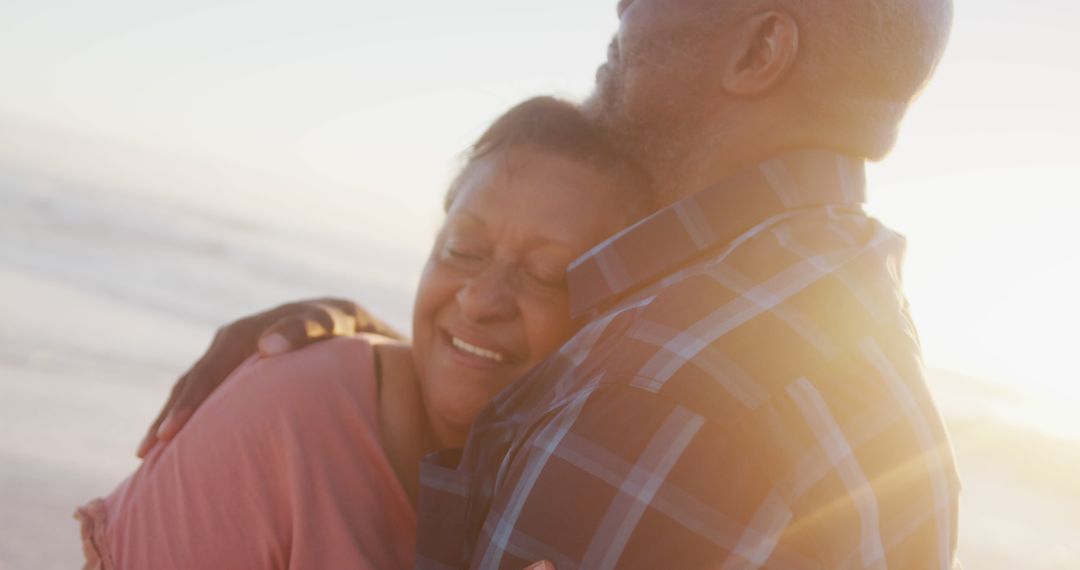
(559, 127)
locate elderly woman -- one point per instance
(311, 459)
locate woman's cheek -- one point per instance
(437, 288)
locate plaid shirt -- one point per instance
(748, 393)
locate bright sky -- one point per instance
(380, 96)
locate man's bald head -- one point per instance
(698, 81)
(864, 61)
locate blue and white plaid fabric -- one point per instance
(747, 393)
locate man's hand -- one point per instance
(277, 331)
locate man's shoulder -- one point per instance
(780, 259)
(742, 323)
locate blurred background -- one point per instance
(166, 167)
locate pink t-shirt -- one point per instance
(282, 467)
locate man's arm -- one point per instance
(285, 328)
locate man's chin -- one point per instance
(592, 106)
(600, 109)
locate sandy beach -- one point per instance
(106, 295)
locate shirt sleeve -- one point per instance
(626, 478)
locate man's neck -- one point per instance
(702, 167)
(734, 139)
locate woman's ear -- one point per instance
(767, 46)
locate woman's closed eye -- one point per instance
(545, 280)
(464, 256)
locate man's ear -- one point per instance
(767, 47)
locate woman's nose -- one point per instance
(488, 296)
(622, 6)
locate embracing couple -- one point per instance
(655, 331)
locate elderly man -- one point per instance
(748, 391)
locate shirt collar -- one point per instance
(676, 234)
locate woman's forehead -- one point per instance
(519, 172)
(536, 193)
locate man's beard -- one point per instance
(656, 125)
(659, 136)
(610, 109)
(605, 107)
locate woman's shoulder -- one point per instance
(349, 351)
(373, 360)
(394, 367)
(391, 351)
(375, 339)
(349, 363)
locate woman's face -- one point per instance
(492, 300)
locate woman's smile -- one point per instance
(477, 351)
(477, 354)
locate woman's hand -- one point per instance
(288, 327)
